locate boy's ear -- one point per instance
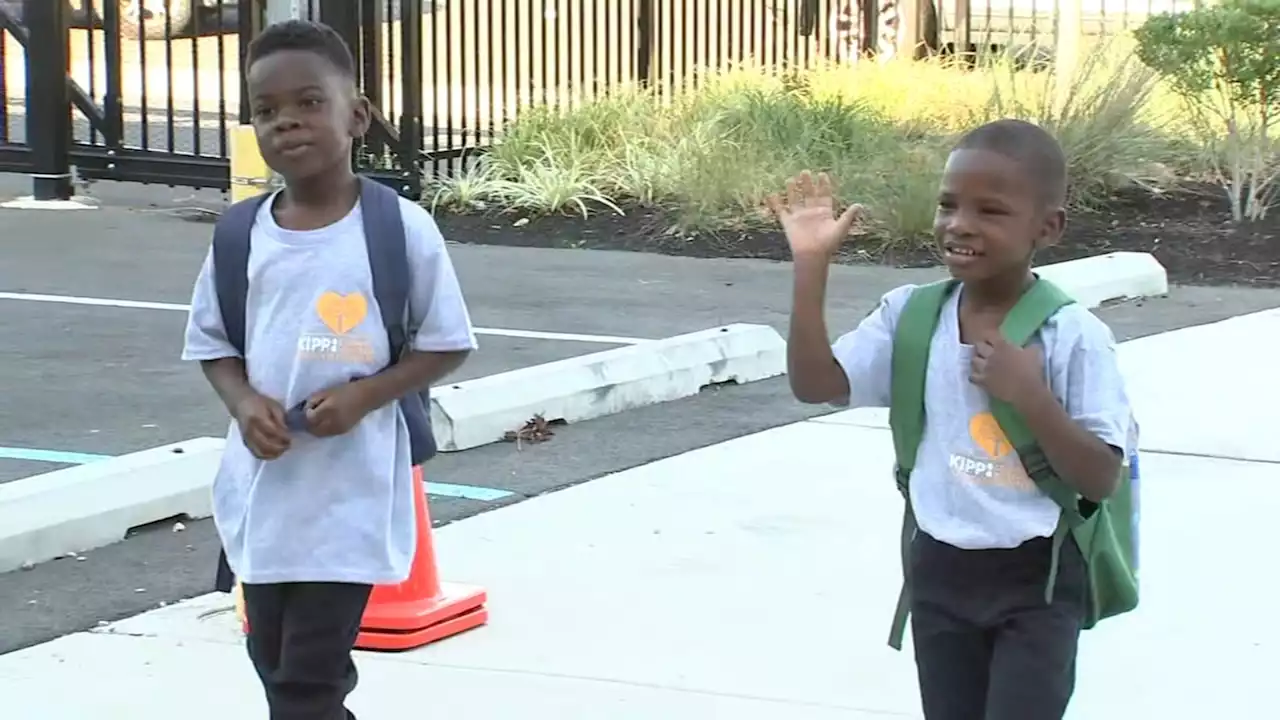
(361, 116)
(1055, 222)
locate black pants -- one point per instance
(987, 645)
(300, 640)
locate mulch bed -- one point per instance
(1190, 232)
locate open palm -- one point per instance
(808, 216)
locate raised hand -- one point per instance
(808, 216)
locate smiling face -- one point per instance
(991, 216)
(306, 113)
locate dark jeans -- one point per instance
(300, 640)
(987, 645)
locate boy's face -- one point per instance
(991, 216)
(305, 113)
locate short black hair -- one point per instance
(315, 37)
(1028, 145)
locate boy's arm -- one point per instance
(812, 369)
(229, 380)
(855, 370)
(441, 336)
(1085, 438)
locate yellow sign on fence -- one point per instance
(249, 172)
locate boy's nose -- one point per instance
(285, 122)
(960, 224)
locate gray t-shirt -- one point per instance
(330, 509)
(968, 488)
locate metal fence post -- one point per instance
(48, 104)
(410, 150)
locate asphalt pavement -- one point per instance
(108, 380)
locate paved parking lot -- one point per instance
(107, 380)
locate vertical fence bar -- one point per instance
(48, 104)
(370, 50)
(113, 94)
(369, 54)
(411, 97)
(4, 82)
(196, 29)
(143, 96)
(88, 12)
(439, 86)
(252, 18)
(645, 44)
(170, 126)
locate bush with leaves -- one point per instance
(1224, 60)
(883, 130)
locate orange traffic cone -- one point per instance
(420, 610)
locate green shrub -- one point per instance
(881, 129)
(1223, 61)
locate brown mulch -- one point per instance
(1189, 231)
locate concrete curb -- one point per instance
(479, 412)
(88, 506)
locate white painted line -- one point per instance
(481, 411)
(30, 203)
(146, 305)
(100, 302)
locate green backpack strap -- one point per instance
(911, 339)
(1039, 303)
(1107, 543)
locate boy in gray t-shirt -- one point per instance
(311, 519)
(987, 644)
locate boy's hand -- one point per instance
(262, 425)
(808, 216)
(1007, 372)
(337, 410)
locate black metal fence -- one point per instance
(93, 95)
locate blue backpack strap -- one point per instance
(231, 280)
(384, 234)
(231, 265)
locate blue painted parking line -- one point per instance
(49, 456)
(465, 492)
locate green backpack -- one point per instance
(1104, 531)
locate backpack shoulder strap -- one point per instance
(912, 336)
(388, 259)
(1039, 303)
(911, 340)
(231, 244)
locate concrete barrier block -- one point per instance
(479, 412)
(1100, 279)
(89, 506)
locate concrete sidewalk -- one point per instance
(755, 579)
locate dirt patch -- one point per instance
(1190, 232)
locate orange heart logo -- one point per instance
(341, 313)
(988, 435)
